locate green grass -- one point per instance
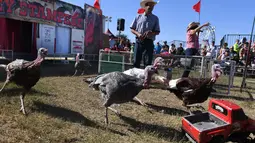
(64, 110)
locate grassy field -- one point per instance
(62, 109)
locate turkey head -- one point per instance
(148, 72)
(158, 62)
(42, 53)
(216, 72)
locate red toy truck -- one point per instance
(222, 120)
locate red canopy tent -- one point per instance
(109, 33)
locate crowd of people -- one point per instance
(238, 52)
(121, 44)
(144, 47)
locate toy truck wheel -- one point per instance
(217, 139)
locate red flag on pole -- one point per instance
(196, 7)
(97, 4)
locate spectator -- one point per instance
(213, 50)
(165, 44)
(204, 51)
(234, 55)
(192, 35)
(157, 48)
(223, 50)
(243, 53)
(236, 46)
(180, 50)
(112, 41)
(172, 49)
(132, 47)
(164, 51)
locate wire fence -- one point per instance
(121, 61)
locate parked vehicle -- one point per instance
(222, 120)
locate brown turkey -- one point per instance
(194, 90)
(24, 73)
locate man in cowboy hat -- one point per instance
(145, 27)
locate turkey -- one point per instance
(117, 88)
(194, 90)
(136, 72)
(24, 73)
(80, 64)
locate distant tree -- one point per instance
(124, 36)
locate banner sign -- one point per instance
(43, 11)
(93, 30)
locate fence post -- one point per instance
(99, 62)
(231, 76)
(123, 63)
(202, 67)
(233, 72)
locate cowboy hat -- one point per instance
(191, 24)
(143, 2)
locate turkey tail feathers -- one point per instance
(89, 80)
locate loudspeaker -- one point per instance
(121, 24)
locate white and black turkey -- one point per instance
(136, 72)
(117, 88)
(24, 73)
(80, 65)
(194, 90)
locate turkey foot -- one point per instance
(197, 106)
(188, 108)
(22, 109)
(114, 110)
(142, 103)
(75, 73)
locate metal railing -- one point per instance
(121, 60)
(6, 54)
(231, 38)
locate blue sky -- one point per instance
(228, 16)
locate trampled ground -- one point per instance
(63, 109)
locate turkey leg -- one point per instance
(142, 103)
(82, 72)
(75, 72)
(106, 116)
(22, 102)
(188, 108)
(196, 105)
(5, 83)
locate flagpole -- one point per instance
(199, 17)
(199, 11)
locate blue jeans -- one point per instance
(190, 52)
(143, 49)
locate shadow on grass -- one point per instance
(250, 95)
(162, 132)
(69, 115)
(167, 110)
(50, 69)
(215, 95)
(17, 91)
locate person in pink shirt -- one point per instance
(192, 35)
